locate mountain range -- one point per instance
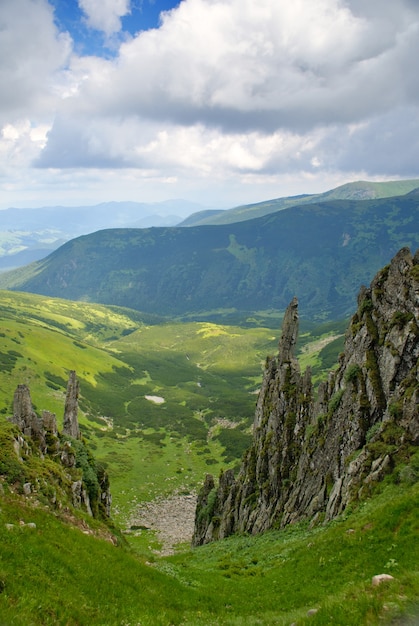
(320, 251)
(358, 190)
(27, 235)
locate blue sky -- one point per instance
(219, 102)
(142, 15)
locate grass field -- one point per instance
(55, 574)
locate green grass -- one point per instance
(57, 574)
(276, 578)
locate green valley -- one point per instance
(162, 402)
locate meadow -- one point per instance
(54, 571)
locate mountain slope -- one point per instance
(311, 459)
(30, 234)
(321, 251)
(360, 190)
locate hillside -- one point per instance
(359, 190)
(27, 235)
(321, 251)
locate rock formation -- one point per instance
(311, 457)
(70, 423)
(25, 417)
(86, 483)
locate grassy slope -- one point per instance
(59, 575)
(53, 575)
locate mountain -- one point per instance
(27, 235)
(322, 252)
(360, 190)
(59, 565)
(310, 458)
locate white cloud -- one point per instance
(105, 15)
(233, 91)
(237, 63)
(32, 52)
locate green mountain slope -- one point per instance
(359, 190)
(319, 252)
(61, 572)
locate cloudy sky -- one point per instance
(221, 102)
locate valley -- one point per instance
(207, 374)
(168, 396)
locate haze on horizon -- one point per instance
(219, 102)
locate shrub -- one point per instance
(352, 373)
(401, 318)
(335, 401)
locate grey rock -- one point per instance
(70, 423)
(310, 459)
(379, 579)
(25, 417)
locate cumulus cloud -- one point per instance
(105, 15)
(246, 65)
(32, 53)
(224, 89)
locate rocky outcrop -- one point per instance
(86, 483)
(25, 417)
(311, 457)
(70, 423)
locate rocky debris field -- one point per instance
(172, 518)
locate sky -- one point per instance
(219, 102)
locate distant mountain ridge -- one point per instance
(321, 251)
(359, 190)
(28, 235)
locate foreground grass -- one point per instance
(57, 574)
(278, 577)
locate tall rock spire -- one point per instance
(310, 459)
(289, 334)
(26, 418)
(71, 424)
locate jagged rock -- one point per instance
(49, 421)
(77, 491)
(25, 417)
(310, 458)
(90, 492)
(105, 492)
(71, 424)
(67, 455)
